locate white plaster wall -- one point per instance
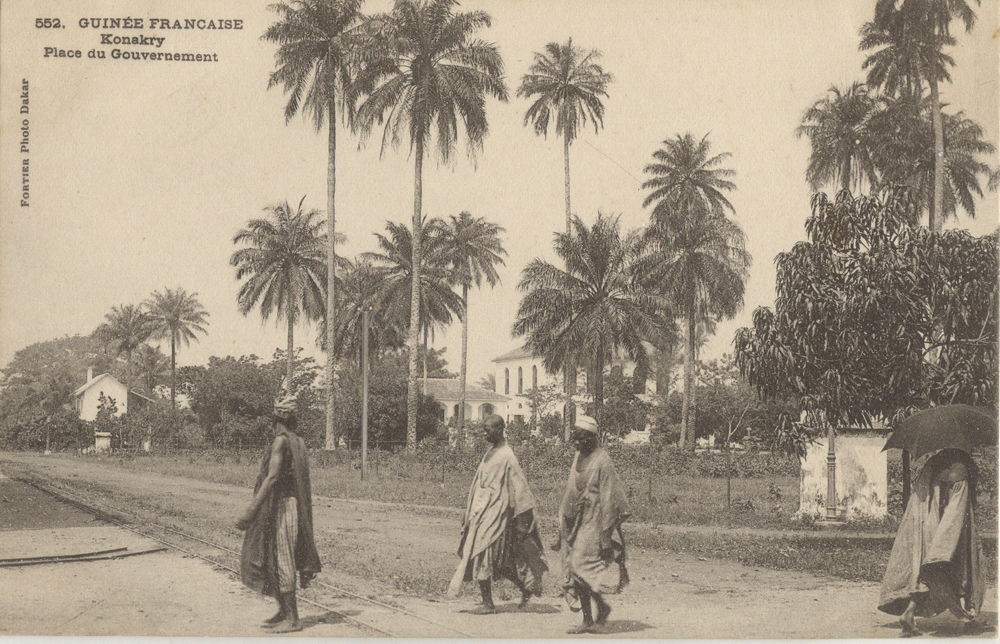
(862, 477)
(111, 389)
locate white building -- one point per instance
(479, 402)
(87, 398)
(519, 371)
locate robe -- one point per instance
(936, 557)
(499, 532)
(258, 557)
(592, 512)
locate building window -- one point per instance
(520, 380)
(506, 382)
(534, 376)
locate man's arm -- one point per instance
(273, 469)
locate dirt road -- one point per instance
(404, 556)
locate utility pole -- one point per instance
(364, 391)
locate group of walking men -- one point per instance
(935, 564)
(499, 537)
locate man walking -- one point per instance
(590, 536)
(278, 522)
(499, 533)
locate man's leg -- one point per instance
(906, 620)
(588, 617)
(287, 532)
(486, 590)
(603, 610)
(278, 617)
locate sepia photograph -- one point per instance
(507, 319)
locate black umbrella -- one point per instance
(959, 426)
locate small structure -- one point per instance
(479, 402)
(861, 475)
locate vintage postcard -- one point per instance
(499, 318)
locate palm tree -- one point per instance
(152, 367)
(317, 42)
(283, 263)
(127, 328)
(909, 44)
(909, 159)
(595, 309)
(569, 84)
(488, 382)
(697, 255)
(179, 316)
(425, 71)
(839, 129)
(393, 279)
(474, 249)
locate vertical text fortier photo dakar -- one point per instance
(480, 319)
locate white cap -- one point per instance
(586, 423)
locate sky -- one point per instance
(142, 172)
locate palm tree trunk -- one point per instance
(845, 179)
(462, 369)
(599, 390)
(173, 371)
(412, 340)
(936, 217)
(687, 409)
(424, 388)
(331, 277)
(569, 371)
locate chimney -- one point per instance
(90, 374)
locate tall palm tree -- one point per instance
(179, 316)
(317, 45)
(127, 328)
(567, 83)
(424, 71)
(282, 259)
(474, 250)
(595, 309)
(393, 279)
(909, 47)
(697, 255)
(839, 129)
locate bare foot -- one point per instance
(525, 598)
(274, 620)
(485, 609)
(909, 626)
(288, 626)
(586, 627)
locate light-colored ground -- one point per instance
(375, 549)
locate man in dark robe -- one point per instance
(278, 523)
(590, 536)
(499, 532)
(936, 559)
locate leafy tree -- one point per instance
(179, 316)
(423, 71)
(839, 129)
(152, 367)
(283, 262)
(598, 309)
(474, 249)
(874, 314)
(697, 255)
(109, 421)
(319, 43)
(624, 412)
(126, 330)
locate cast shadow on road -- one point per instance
(616, 626)
(329, 617)
(947, 626)
(538, 609)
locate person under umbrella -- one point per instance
(936, 559)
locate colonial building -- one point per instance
(479, 402)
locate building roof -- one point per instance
(449, 389)
(516, 354)
(93, 381)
